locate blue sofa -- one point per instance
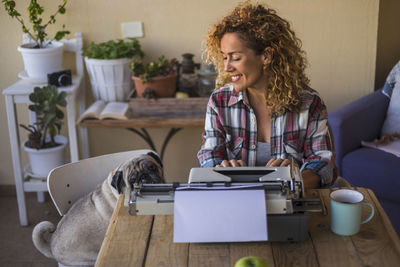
(367, 167)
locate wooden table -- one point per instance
(174, 113)
(147, 241)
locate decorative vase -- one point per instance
(38, 62)
(110, 79)
(43, 160)
(162, 86)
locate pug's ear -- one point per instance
(156, 157)
(118, 181)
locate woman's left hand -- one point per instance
(278, 162)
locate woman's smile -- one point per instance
(236, 78)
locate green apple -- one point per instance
(251, 261)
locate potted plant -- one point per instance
(40, 56)
(44, 147)
(156, 78)
(107, 64)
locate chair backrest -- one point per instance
(69, 182)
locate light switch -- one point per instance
(132, 29)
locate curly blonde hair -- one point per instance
(261, 28)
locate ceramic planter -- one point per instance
(163, 86)
(110, 79)
(38, 62)
(42, 161)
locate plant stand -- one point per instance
(19, 93)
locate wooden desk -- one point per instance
(171, 113)
(147, 241)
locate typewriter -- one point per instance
(286, 207)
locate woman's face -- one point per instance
(242, 64)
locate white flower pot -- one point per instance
(39, 62)
(42, 161)
(110, 79)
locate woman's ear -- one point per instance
(268, 53)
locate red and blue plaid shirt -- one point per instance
(231, 133)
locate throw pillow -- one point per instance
(391, 124)
(391, 80)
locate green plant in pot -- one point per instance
(44, 147)
(41, 56)
(107, 64)
(156, 78)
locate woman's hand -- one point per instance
(278, 162)
(232, 163)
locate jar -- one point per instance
(206, 80)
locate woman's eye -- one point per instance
(236, 59)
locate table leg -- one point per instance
(16, 158)
(147, 138)
(84, 137)
(170, 134)
(73, 144)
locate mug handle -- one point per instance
(372, 212)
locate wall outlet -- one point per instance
(132, 29)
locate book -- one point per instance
(102, 110)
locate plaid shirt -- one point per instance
(231, 133)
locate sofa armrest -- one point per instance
(359, 120)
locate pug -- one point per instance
(78, 236)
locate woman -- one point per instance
(266, 113)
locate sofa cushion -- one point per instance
(374, 169)
(391, 124)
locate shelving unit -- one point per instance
(19, 93)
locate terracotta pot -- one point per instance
(163, 86)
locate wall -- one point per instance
(339, 36)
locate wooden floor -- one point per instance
(16, 247)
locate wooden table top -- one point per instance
(147, 241)
(158, 113)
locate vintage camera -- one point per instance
(60, 78)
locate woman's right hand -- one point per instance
(232, 163)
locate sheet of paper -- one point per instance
(220, 216)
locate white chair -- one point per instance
(69, 182)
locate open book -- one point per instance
(101, 110)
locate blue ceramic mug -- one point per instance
(346, 206)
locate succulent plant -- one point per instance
(46, 104)
(160, 67)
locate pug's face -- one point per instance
(146, 169)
